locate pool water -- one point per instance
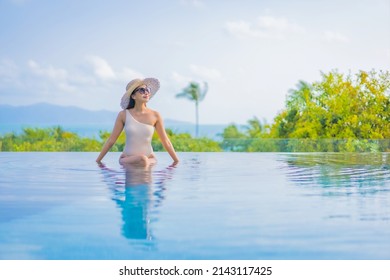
(209, 206)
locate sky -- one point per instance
(250, 52)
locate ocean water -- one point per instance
(209, 206)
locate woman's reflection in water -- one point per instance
(141, 191)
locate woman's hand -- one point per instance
(101, 164)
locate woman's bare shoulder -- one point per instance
(156, 116)
(155, 113)
(122, 115)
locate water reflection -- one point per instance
(340, 173)
(137, 191)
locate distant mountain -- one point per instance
(44, 113)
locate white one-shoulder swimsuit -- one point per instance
(138, 137)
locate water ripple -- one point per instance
(367, 172)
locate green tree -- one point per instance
(183, 142)
(194, 92)
(233, 139)
(337, 107)
(256, 129)
(48, 140)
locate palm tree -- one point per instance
(194, 92)
(255, 128)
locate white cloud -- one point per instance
(100, 75)
(65, 87)
(273, 24)
(243, 29)
(180, 80)
(198, 74)
(264, 27)
(48, 72)
(334, 37)
(50, 78)
(103, 70)
(101, 67)
(205, 73)
(93, 87)
(128, 74)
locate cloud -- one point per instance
(101, 68)
(101, 73)
(334, 37)
(243, 29)
(180, 80)
(197, 73)
(205, 73)
(49, 72)
(264, 27)
(128, 74)
(91, 87)
(50, 78)
(273, 24)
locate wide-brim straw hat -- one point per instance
(152, 83)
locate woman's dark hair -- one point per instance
(132, 101)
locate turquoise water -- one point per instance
(210, 206)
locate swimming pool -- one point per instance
(209, 206)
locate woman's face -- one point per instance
(142, 93)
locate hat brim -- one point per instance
(152, 83)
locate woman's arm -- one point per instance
(164, 138)
(118, 127)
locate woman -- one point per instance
(139, 123)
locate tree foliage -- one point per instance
(253, 137)
(339, 106)
(348, 113)
(56, 139)
(184, 142)
(47, 139)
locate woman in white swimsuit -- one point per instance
(139, 123)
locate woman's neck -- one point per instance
(140, 107)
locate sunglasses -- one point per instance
(143, 90)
